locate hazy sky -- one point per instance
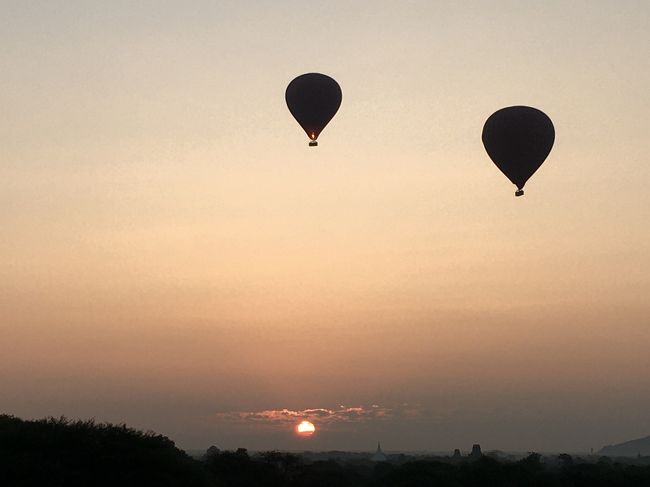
(174, 256)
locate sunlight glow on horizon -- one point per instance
(305, 428)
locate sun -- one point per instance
(305, 428)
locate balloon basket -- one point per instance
(313, 143)
(519, 192)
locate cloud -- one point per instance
(283, 418)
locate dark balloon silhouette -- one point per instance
(313, 99)
(518, 139)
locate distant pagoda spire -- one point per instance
(379, 455)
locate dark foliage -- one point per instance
(237, 469)
(58, 452)
(282, 469)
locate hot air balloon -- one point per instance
(518, 139)
(313, 99)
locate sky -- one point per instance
(174, 256)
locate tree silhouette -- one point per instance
(57, 452)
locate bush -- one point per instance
(59, 452)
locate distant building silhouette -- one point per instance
(379, 455)
(476, 451)
(213, 451)
(456, 456)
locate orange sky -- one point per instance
(172, 253)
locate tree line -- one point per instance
(57, 452)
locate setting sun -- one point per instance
(305, 428)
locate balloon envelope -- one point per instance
(518, 139)
(313, 99)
